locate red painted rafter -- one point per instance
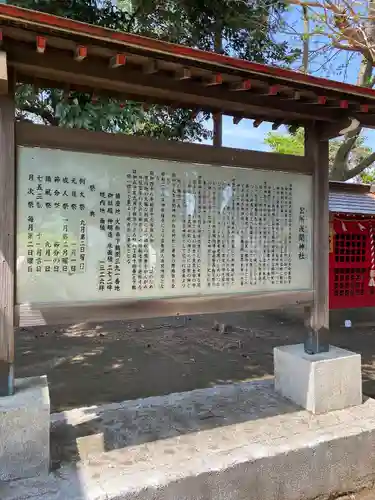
(241, 86)
(80, 53)
(215, 80)
(41, 44)
(117, 61)
(55, 23)
(274, 90)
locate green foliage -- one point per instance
(247, 31)
(244, 32)
(368, 176)
(293, 144)
(286, 144)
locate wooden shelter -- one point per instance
(54, 52)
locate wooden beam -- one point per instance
(316, 153)
(151, 67)
(237, 119)
(214, 80)
(274, 90)
(3, 73)
(344, 104)
(277, 124)
(7, 238)
(240, 86)
(94, 73)
(80, 53)
(332, 130)
(41, 44)
(124, 145)
(171, 99)
(183, 74)
(117, 61)
(218, 130)
(62, 314)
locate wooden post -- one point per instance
(316, 152)
(218, 130)
(218, 117)
(7, 240)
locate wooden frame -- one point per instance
(64, 314)
(122, 145)
(7, 242)
(97, 142)
(44, 47)
(46, 50)
(316, 152)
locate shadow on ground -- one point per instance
(136, 424)
(95, 364)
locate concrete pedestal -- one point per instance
(25, 430)
(320, 382)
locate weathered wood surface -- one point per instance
(316, 153)
(53, 314)
(142, 147)
(7, 237)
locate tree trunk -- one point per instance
(340, 170)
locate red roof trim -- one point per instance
(64, 24)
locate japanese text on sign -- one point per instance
(96, 227)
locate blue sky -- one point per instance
(343, 67)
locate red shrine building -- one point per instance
(352, 246)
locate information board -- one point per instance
(96, 227)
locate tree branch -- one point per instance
(43, 113)
(365, 163)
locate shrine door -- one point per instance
(351, 261)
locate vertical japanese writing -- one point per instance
(117, 237)
(65, 247)
(82, 245)
(54, 250)
(302, 234)
(162, 232)
(174, 233)
(30, 244)
(156, 229)
(109, 278)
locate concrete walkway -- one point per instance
(236, 442)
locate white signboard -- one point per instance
(95, 227)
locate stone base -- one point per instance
(25, 430)
(320, 382)
(236, 442)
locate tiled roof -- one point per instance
(353, 203)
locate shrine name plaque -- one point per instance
(96, 227)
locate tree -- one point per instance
(293, 143)
(344, 30)
(246, 33)
(248, 28)
(53, 107)
(286, 144)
